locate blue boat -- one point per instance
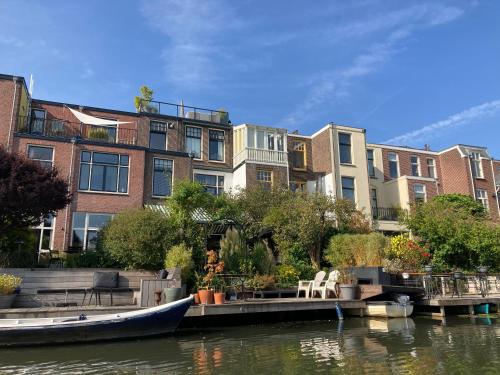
(483, 308)
(153, 321)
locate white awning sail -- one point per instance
(91, 120)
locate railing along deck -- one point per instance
(386, 213)
(58, 128)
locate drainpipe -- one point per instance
(70, 184)
(12, 114)
(332, 158)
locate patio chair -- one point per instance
(306, 285)
(328, 286)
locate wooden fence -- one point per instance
(35, 280)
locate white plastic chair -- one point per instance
(306, 285)
(329, 285)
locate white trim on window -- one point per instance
(482, 197)
(153, 178)
(431, 166)
(423, 191)
(201, 140)
(223, 146)
(40, 146)
(397, 164)
(86, 228)
(417, 164)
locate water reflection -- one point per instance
(369, 345)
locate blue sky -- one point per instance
(409, 72)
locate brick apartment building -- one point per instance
(116, 160)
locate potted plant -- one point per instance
(348, 285)
(213, 268)
(9, 286)
(219, 293)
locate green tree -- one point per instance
(181, 256)
(142, 102)
(138, 238)
(457, 231)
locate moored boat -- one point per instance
(153, 321)
(401, 308)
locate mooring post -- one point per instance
(471, 309)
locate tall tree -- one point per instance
(28, 191)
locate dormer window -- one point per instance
(475, 164)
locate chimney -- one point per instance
(426, 147)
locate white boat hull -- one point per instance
(388, 309)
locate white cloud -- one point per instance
(400, 25)
(192, 28)
(12, 41)
(462, 118)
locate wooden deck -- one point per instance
(438, 306)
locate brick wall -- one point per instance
(404, 158)
(430, 189)
(9, 108)
(279, 174)
(321, 152)
(454, 173)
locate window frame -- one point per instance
(153, 195)
(424, 192)
(159, 132)
(417, 164)
(41, 161)
(393, 161)
(372, 159)
(41, 227)
(223, 146)
(91, 164)
(341, 144)
(217, 186)
(353, 187)
(302, 144)
(476, 164)
(433, 166)
(266, 182)
(483, 200)
(86, 228)
(201, 140)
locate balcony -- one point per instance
(184, 111)
(57, 128)
(386, 214)
(261, 156)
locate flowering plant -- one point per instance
(9, 283)
(213, 267)
(411, 254)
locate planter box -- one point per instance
(348, 291)
(6, 300)
(371, 275)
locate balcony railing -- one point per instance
(57, 128)
(388, 214)
(184, 111)
(261, 156)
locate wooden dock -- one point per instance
(438, 306)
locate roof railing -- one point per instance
(184, 111)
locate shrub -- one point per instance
(231, 250)
(17, 248)
(262, 259)
(411, 255)
(361, 250)
(298, 258)
(260, 282)
(98, 133)
(182, 257)
(287, 275)
(138, 239)
(9, 283)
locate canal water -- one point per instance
(461, 345)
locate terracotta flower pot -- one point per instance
(206, 296)
(219, 298)
(196, 298)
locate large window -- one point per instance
(265, 178)
(393, 165)
(86, 226)
(371, 163)
(348, 188)
(431, 167)
(158, 135)
(104, 172)
(213, 184)
(475, 162)
(42, 155)
(193, 141)
(162, 177)
(482, 197)
(299, 155)
(415, 165)
(345, 148)
(216, 145)
(44, 234)
(419, 193)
